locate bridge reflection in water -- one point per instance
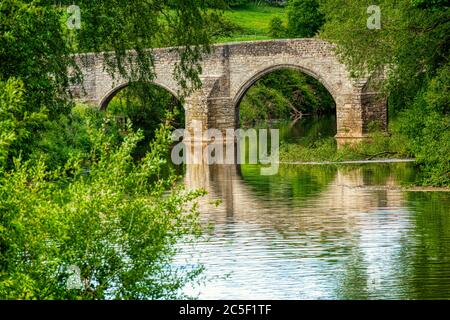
(319, 232)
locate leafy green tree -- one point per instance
(36, 46)
(146, 105)
(277, 28)
(304, 18)
(412, 42)
(16, 124)
(71, 195)
(427, 125)
(33, 49)
(103, 232)
(411, 48)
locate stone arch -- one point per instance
(346, 93)
(260, 74)
(108, 96)
(230, 69)
(316, 58)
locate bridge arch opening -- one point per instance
(146, 105)
(111, 94)
(296, 100)
(266, 71)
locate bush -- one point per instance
(427, 126)
(103, 232)
(223, 27)
(304, 18)
(277, 29)
(17, 125)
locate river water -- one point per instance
(319, 232)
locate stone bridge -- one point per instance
(231, 69)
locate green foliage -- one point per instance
(412, 42)
(224, 27)
(69, 136)
(277, 29)
(240, 3)
(304, 18)
(118, 26)
(36, 47)
(412, 46)
(16, 124)
(427, 125)
(33, 49)
(433, 4)
(237, 3)
(115, 221)
(71, 193)
(378, 145)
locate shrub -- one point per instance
(111, 227)
(304, 18)
(16, 124)
(427, 126)
(277, 29)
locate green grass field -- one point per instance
(254, 21)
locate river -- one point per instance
(319, 232)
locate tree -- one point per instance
(146, 105)
(108, 232)
(33, 49)
(285, 94)
(277, 29)
(36, 45)
(304, 18)
(96, 215)
(412, 47)
(15, 124)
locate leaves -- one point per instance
(118, 225)
(304, 18)
(413, 46)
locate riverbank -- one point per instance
(351, 162)
(378, 147)
(405, 188)
(408, 188)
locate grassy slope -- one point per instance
(254, 20)
(378, 146)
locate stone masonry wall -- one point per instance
(231, 69)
